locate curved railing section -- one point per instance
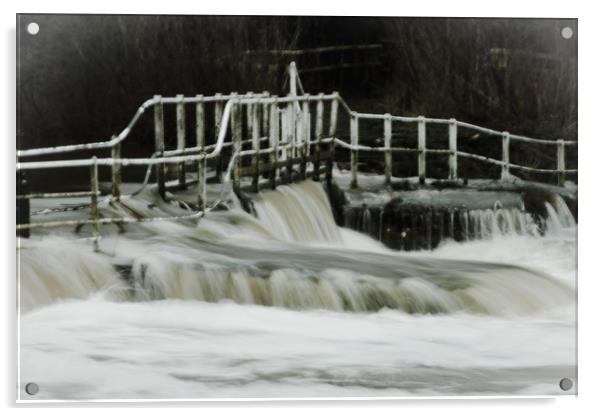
(270, 140)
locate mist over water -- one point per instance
(285, 303)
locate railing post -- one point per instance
(219, 112)
(236, 145)
(94, 202)
(319, 133)
(249, 108)
(274, 139)
(282, 156)
(354, 133)
(560, 161)
(505, 156)
(421, 149)
(388, 156)
(255, 125)
(332, 130)
(305, 135)
(23, 205)
(200, 142)
(265, 116)
(453, 149)
(291, 126)
(181, 136)
(116, 171)
(292, 73)
(159, 145)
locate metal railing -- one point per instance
(421, 150)
(279, 132)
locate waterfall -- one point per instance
(424, 228)
(416, 287)
(559, 216)
(291, 254)
(299, 212)
(56, 268)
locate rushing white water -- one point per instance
(298, 213)
(289, 305)
(427, 228)
(559, 216)
(56, 269)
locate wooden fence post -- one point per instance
(388, 156)
(421, 150)
(332, 130)
(219, 112)
(181, 136)
(274, 139)
(255, 126)
(318, 133)
(560, 161)
(453, 149)
(505, 155)
(236, 145)
(159, 145)
(116, 171)
(94, 202)
(200, 142)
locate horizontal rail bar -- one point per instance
(87, 146)
(57, 195)
(104, 221)
(373, 116)
(512, 165)
(220, 144)
(338, 66)
(323, 49)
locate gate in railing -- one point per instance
(260, 140)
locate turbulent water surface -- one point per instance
(284, 303)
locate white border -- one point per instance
(590, 97)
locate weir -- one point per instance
(290, 254)
(253, 141)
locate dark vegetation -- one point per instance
(82, 77)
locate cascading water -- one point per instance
(56, 269)
(418, 228)
(222, 291)
(276, 261)
(298, 213)
(559, 216)
(424, 228)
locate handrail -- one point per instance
(252, 98)
(406, 119)
(294, 142)
(139, 161)
(170, 157)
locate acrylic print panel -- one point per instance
(390, 211)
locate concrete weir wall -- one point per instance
(411, 216)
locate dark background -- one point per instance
(82, 76)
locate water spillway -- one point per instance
(289, 252)
(421, 219)
(282, 301)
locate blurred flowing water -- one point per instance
(284, 303)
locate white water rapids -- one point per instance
(287, 304)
